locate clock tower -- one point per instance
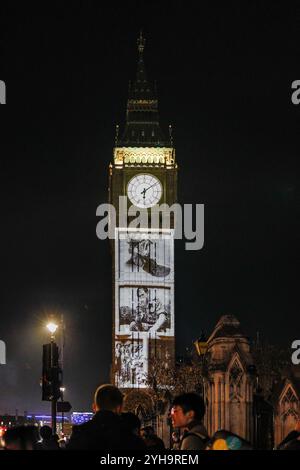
(144, 172)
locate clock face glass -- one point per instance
(144, 190)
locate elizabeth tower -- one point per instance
(144, 173)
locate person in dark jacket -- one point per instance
(152, 441)
(293, 444)
(187, 414)
(49, 442)
(104, 430)
(292, 436)
(130, 432)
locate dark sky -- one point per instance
(224, 80)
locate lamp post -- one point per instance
(62, 390)
(201, 346)
(62, 387)
(52, 327)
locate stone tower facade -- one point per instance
(142, 177)
(229, 385)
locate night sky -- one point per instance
(224, 81)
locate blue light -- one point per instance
(81, 417)
(46, 417)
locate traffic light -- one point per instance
(51, 374)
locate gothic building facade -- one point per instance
(230, 380)
(234, 398)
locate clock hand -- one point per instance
(144, 195)
(146, 189)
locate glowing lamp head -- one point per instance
(52, 327)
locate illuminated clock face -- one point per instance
(144, 190)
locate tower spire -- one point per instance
(141, 44)
(142, 121)
(142, 87)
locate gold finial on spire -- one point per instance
(171, 134)
(141, 43)
(117, 135)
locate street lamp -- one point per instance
(52, 374)
(52, 327)
(52, 371)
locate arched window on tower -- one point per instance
(236, 405)
(289, 411)
(235, 381)
(289, 400)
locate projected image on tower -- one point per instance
(130, 366)
(145, 257)
(145, 309)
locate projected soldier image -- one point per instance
(144, 309)
(143, 255)
(129, 364)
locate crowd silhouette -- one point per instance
(111, 429)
